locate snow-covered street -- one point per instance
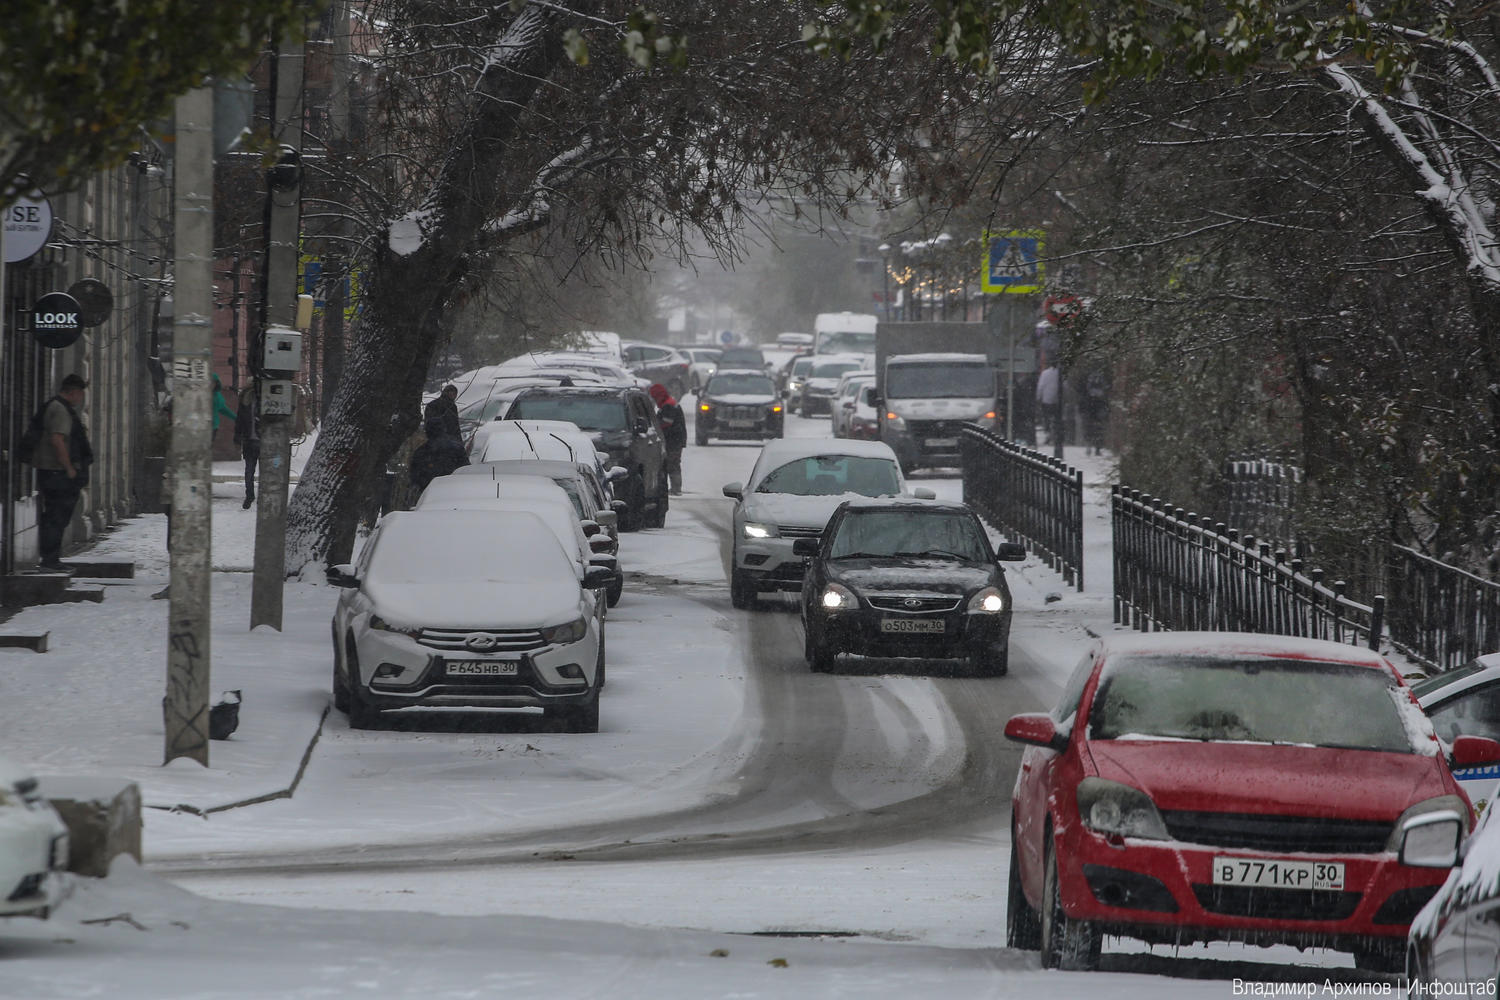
(738, 827)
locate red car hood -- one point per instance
(1276, 780)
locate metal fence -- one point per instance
(1033, 498)
(1441, 616)
(1260, 494)
(1176, 570)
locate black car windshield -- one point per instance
(1257, 700)
(740, 385)
(887, 533)
(833, 369)
(592, 413)
(742, 357)
(801, 365)
(832, 475)
(939, 381)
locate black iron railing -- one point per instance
(1440, 615)
(1031, 497)
(1175, 570)
(1260, 495)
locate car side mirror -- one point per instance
(607, 518)
(1010, 552)
(619, 507)
(616, 472)
(805, 547)
(734, 491)
(1036, 729)
(876, 400)
(601, 544)
(642, 426)
(342, 575)
(1431, 840)
(599, 575)
(1474, 751)
(923, 493)
(590, 528)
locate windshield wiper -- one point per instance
(863, 555)
(931, 554)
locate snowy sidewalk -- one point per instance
(91, 704)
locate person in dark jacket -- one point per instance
(674, 434)
(62, 460)
(439, 455)
(247, 436)
(445, 408)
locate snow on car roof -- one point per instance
(935, 356)
(1241, 643)
(470, 486)
(559, 517)
(522, 466)
(787, 449)
(467, 545)
(885, 503)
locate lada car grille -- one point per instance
(1276, 904)
(740, 412)
(468, 640)
(800, 531)
(1256, 832)
(914, 605)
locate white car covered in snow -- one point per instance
(33, 846)
(467, 608)
(794, 488)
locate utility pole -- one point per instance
(185, 705)
(279, 309)
(335, 259)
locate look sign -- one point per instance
(55, 321)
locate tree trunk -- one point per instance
(375, 407)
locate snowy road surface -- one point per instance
(739, 827)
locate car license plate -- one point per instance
(482, 668)
(941, 442)
(1268, 873)
(923, 625)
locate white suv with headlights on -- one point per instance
(461, 608)
(794, 488)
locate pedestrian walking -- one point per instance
(247, 436)
(1094, 404)
(674, 434)
(1049, 402)
(445, 408)
(221, 405)
(439, 455)
(62, 459)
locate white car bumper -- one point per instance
(33, 859)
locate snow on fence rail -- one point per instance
(1176, 570)
(1440, 615)
(1260, 494)
(1033, 498)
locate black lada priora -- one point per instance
(901, 577)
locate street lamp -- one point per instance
(942, 241)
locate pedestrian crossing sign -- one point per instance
(1013, 262)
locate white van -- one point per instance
(794, 340)
(845, 333)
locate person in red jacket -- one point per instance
(674, 434)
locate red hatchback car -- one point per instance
(1202, 786)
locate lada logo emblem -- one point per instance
(912, 602)
(479, 642)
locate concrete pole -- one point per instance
(279, 308)
(185, 706)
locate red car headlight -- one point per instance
(1112, 808)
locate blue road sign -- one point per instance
(1013, 262)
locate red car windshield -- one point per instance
(1264, 700)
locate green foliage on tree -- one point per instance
(80, 78)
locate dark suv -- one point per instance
(622, 422)
(659, 363)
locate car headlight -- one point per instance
(1110, 807)
(894, 420)
(988, 601)
(562, 634)
(837, 597)
(380, 624)
(1442, 803)
(753, 529)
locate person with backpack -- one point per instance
(61, 457)
(438, 456)
(247, 436)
